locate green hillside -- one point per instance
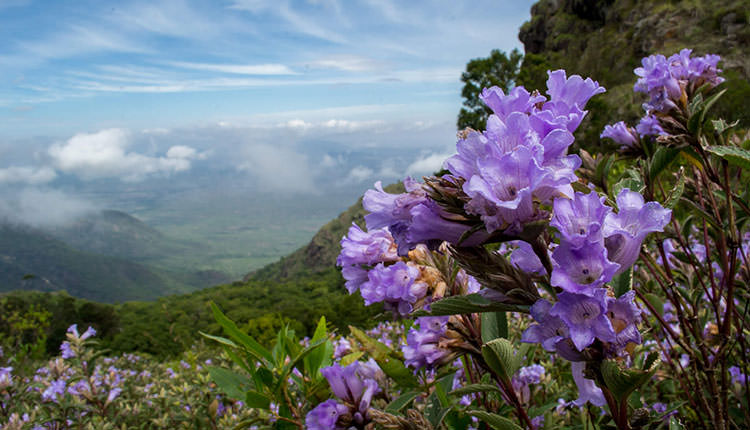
(33, 260)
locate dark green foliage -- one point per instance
(499, 69)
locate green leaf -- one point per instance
(623, 282)
(494, 325)
(736, 156)
(621, 382)
(301, 356)
(253, 347)
(257, 400)
(677, 190)
(468, 304)
(499, 356)
(232, 384)
(321, 356)
(221, 340)
(710, 102)
(475, 388)
(401, 402)
(661, 160)
(495, 421)
(630, 183)
(386, 358)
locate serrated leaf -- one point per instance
(475, 388)
(623, 282)
(468, 304)
(232, 384)
(736, 156)
(401, 402)
(500, 357)
(677, 190)
(621, 382)
(495, 421)
(494, 325)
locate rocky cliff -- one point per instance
(606, 39)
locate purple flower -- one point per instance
(585, 316)
(697, 70)
(359, 247)
(502, 195)
(737, 376)
(350, 385)
(395, 285)
(526, 259)
(113, 393)
(524, 377)
(649, 126)
(422, 343)
(581, 270)
(580, 220)
(6, 378)
(587, 389)
(625, 231)
(625, 314)
(568, 96)
(325, 416)
(621, 134)
(550, 329)
(54, 390)
(355, 276)
(67, 350)
(517, 100)
(342, 348)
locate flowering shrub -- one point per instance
(81, 389)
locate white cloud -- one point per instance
(427, 165)
(239, 69)
(349, 63)
(104, 154)
(43, 208)
(277, 168)
(359, 174)
(26, 175)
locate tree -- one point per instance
(499, 70)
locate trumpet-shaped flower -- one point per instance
(585, 316)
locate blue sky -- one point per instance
(97, 92)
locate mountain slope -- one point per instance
(34, 260)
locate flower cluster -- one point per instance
(669, 83)
(595, 244)
(354, 385)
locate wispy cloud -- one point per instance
(240, 69)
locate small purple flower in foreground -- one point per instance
(518, 99)
(422, 344)
(568, 96)
(625, 314)
(395, 285)
(325, 416)
(525, 259)
(621, 134)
